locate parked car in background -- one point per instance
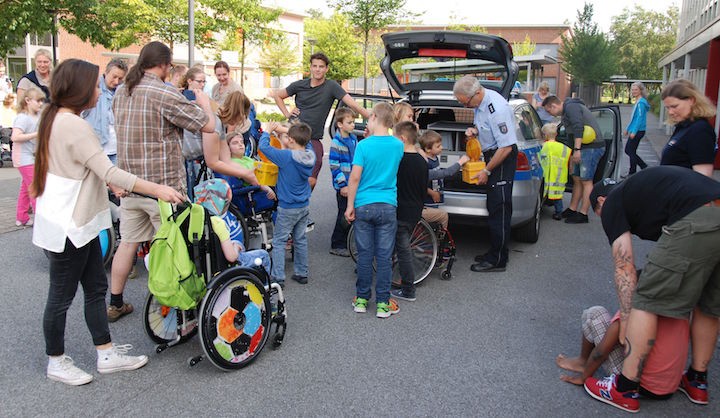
(422, 67)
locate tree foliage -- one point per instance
(588, 55)
(526, 47)
(368, 16)
(279, 58)
(642, 37)
(341, 46)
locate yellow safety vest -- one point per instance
(554, 158)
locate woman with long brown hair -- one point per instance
(71, 171)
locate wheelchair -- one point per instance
(432, 247)
(235, 316)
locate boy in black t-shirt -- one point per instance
(411, 189)
(680, 209)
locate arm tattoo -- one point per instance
(625, 276)
(628, 347)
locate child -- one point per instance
(342, 150)
(403, 112)
(431, 144)
(664, 365)
(372, 199)
(24, 134)
(295, 164)
(215, 196)
(236, 143)
(554, 158)
(412, 179)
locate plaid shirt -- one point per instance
(149, 126)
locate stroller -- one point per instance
(5, 146)
(234, 317)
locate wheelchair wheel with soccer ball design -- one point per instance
(162, 323)
(235, 317)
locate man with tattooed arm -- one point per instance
(680, 209)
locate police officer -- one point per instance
(495, 128)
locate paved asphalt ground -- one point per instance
(478, 345)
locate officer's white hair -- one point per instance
(467, 86)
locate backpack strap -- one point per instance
(195, 232)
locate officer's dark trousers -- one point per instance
(499, 205)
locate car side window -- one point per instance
(528, 123)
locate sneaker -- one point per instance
(300, 279)
(310, 226)
(116, 360)
(577, 218)
(114, 313)
(359, 304)
(342, 252)
(384, 310)
(567, 213)
(604, 390)
(695, 390)
(398, 293)
(557, 216)
(64, 370)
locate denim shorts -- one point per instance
(589, 159)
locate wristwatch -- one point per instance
(486, 171)
(577, 149)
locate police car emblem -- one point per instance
(503, 128)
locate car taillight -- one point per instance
(523, 164)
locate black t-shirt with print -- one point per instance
(691, 143)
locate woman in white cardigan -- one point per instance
(71, 174)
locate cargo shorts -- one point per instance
(683, 270)
(139, 219)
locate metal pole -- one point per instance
(54, 36)
(191, 33)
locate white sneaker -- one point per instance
(64, 370)
(116, 360)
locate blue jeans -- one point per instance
(375, 227)
(558, 204)
(589, 159)
(247, 258)
(290, 220)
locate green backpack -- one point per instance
(173, 277)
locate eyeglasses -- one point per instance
(467, 102)
(200, 81)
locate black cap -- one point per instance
(601, 188)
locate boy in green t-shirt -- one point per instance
(236, 142)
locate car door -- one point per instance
(363, 100)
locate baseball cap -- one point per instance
(601, 188)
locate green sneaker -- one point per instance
(384, 310)
(360, 305)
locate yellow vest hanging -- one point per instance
(554, 158)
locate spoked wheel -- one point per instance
(107, 245)
(235, 319)
(424, 249)
(241, 224)
(161, 322)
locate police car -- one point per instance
(422, 66)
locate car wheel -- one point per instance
(530, 232)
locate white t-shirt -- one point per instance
(28, 124)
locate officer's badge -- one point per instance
(491, 108)
(503, 128)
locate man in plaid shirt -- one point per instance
(149, 120)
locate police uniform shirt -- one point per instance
(495, 122)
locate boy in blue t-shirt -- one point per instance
(372, 203)
(342, 151)
(295, 163)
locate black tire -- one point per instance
(161, 322)
(530, 232)
(235, 319)
(243, 224)
(424, 248)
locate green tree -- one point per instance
(169, 23)
(111, 23)
(463, 27)
(368, 16)
(642, 37)
(279, 59)
(588, 55)
(342, 47)
(526, 47)
(245, 22)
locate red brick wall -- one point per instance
(70, 46)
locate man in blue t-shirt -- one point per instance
(314, 97)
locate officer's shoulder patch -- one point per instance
(491, 108)
(503, 128)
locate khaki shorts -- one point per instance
(683, 270)
(139, 219)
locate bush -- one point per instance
(655, 103)
(271, 117)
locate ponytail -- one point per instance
(151, 55)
